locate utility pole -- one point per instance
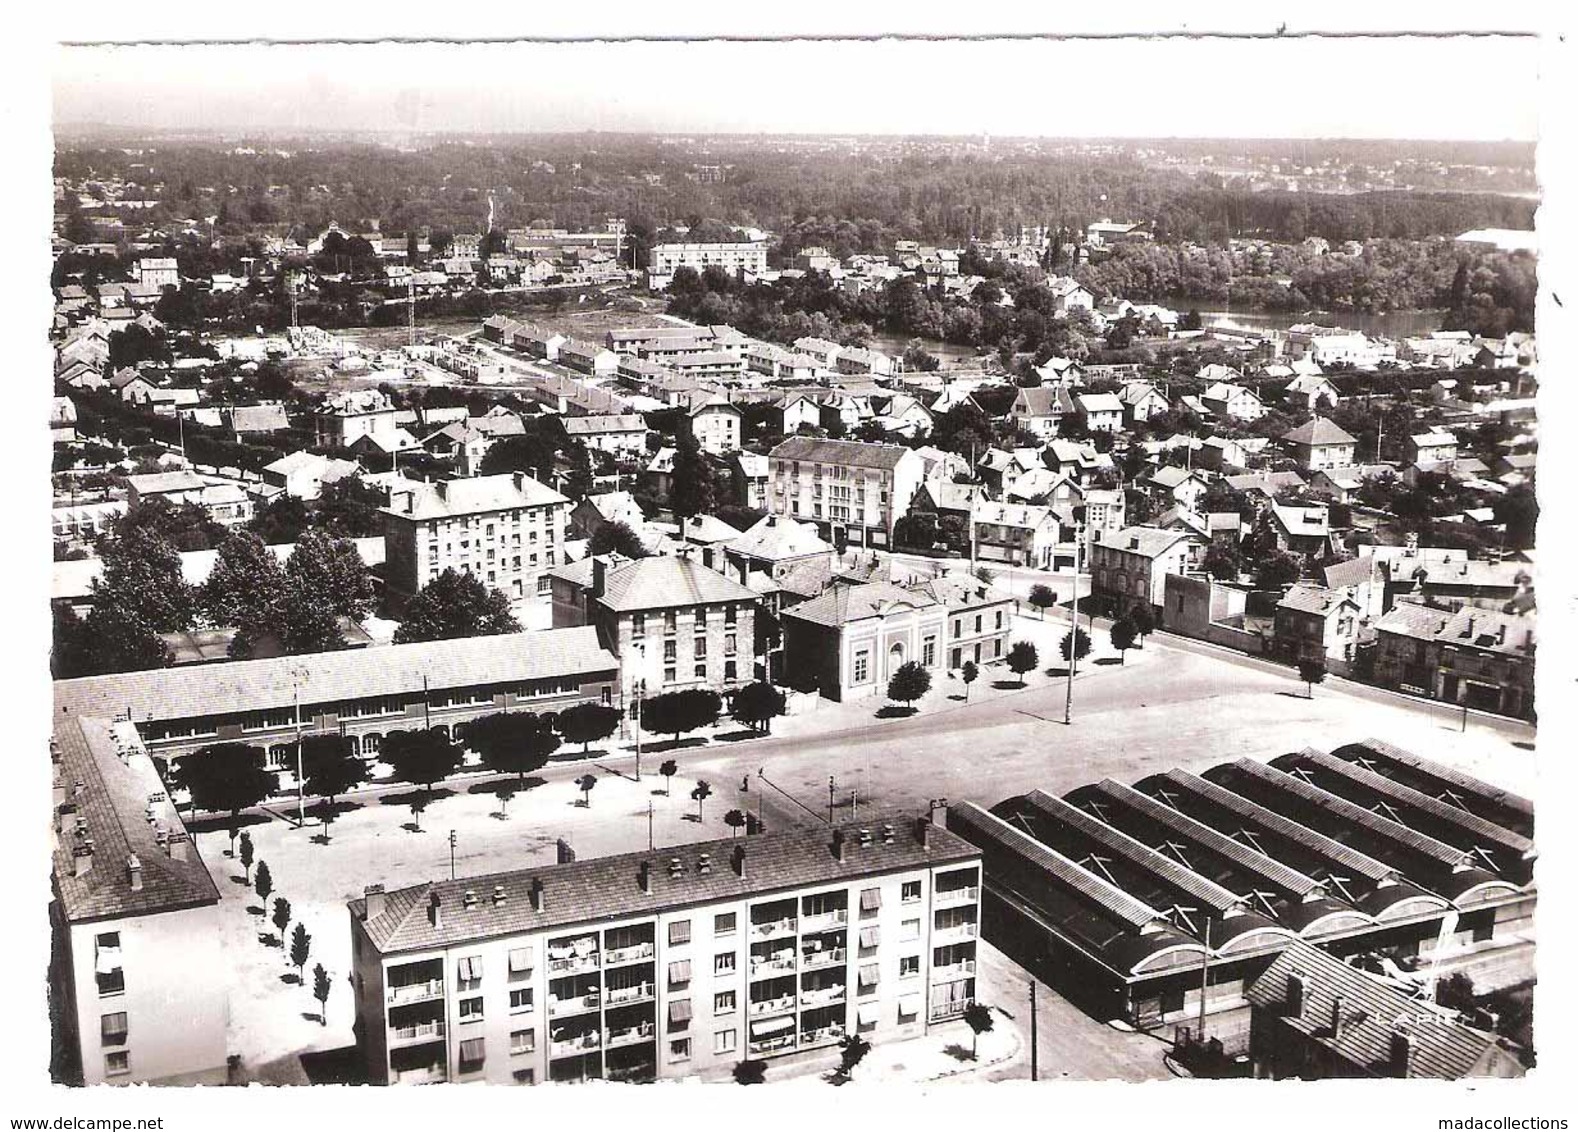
(411, 310)
(649, 824)
(427, 711)
(301, 785)
(854, 805)
(1205, 976)
(451, 854)
(1034, 1063)
(1073, 640)
(830, 799)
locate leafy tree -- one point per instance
(320, 991)
(513, 742)
(751, 1071)
(264, 883)
(1123, 635)
(282, 519)
(982, 574)
(584, 784)
(587, 722)
(674, 713)
(1022, 658)
(330, 768)
(246, 854)
(695, 490)
(1221, 562)
(227, 777)
(332, 570)
(668, 770)
(421, 758)
(735, 820)
(757, 704)
(1075, 645)
(969, 673)
(246, 583)
(1042, 597)
(979, 1018)
(300, 949)
(1277, 572)
(1519, 510)
(1144, 618)
(111, 639)
(700, 794)
(1312, 670)
(853, 1049)
(232, 831)
(456, 604)
(281, 918)
(617, 538)
(909, 682)
(141, 580)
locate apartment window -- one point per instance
(870, 902)
(909, 929)
(999, 618)
(723, 963)
(471, 1009)
(699, 648)
(909, 966)
(670, 650)
(521, 1000)
(471, 1055)
(869, 939)
(725, 1041)
(112, 1029)
(997, 647)
(679, 1049)
(911, 891)
(724, 1002)
(729, 615)
(909, 1007)
(679, 974)
(107, 964)
(701, 617)
(929, 652)
(520, 963)
(867, 980)
(638, 625)
(670, 622)
(523, 1041)
(525, 1076)
(679, 1013)
(731, 670)
(679, 932)
(117, 1063)
(956, 628)
(862, 666)
(730, 645)
(670, 674)
(469, 973)
(723, 923)
(977, 622)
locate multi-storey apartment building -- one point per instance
(980, 617)
(137, 971)
(271, 703)
(506, 530)
(347, 417)
(1131, 566)
(665, 259)
(672, 622)
(1481, 658)
(853, 492)
(675, 963)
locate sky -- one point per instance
(1425, 88)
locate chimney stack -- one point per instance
(739, 861)
(566, 854)
(373, 895)
(82, 859)
(1336, 1016)
(644, 877)
(537, 901)
(922, 830)
(599, 574)
(838, 844)
(1293, 1007)
(134, 868)
(704, 864)
(865, 836)
(887, 833)
(177, 846)
(1401, 1052)
(435, 911)
(470, 899)
(498, 895)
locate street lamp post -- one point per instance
(1073, 638)
(640, 687)
(830, 799)
(301, 785)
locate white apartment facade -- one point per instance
(848, 489)
(665, 259)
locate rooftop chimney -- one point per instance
(599, 574)
(82, 859)
(566, 854)
(1293, 1007)
(739, 861)
(435, 911)
(675, 867)
(134, 868)
(887, 833)
(537, 900)
(838, 844)
(1400, 1053)
(1336, 1016)
(865, 836)
(922, 830)
(498, 895)
(177, 846)
(470, 899)
(644, 877)
(373, 895)
(704, 864)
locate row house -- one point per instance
(621, 434)
(1130, 566)
(1479, 658)
(589, 359)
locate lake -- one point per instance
(1392, 324)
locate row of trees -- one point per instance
(299, 949)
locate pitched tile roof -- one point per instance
(842, 603)
(658, 582)
(1313, 599)
(589, 891)
(326, 677)
(474, 496)
(1317, 431)
(113, 806)
(848, 452)
(601, 425)
(776, 537)
(1147, 542)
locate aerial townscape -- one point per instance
(580, 607)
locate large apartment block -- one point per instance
(137, 973)
(853, 492)
(675, 963)
(506, 530)
(665, 259)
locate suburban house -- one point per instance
(853, 637)
(1141, 401)
(716, 424)
(303, 474)
(1220, 453)
(1315, 623)
(1236, 402)
(1301, 529)
(1038, 409)
(1318, 444)
(1017, 534)
(980, 618)
(1431, 447)
(797, 411)
(1170, 484)
(1100, 412)
(852, 491)
(1310, 392)
(749, 475)
(1078, 461)
(672, 622)
(1061, 371)
(999, 469)
(1131, 566)
(784, 560)
(620, 434)
(254, 420)
(225, 502)
(345, 417)
(1341, 484)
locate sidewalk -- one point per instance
(943, 1054)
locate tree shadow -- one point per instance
(1294, 695)
(321, 809)
(320, 838)
(310, 1016)
(222, 822)
(291, 979)
(343, 1066)
(1056, 671)
(254, 910)
(1008, 685)
(1107, 661)
(1522, 745)
(958, 1052)
(896, 711)
(675, 744)
(514, 785)
(241, 879)
(736, 736)
(268, 939)
(406, 797)
(412, 827)
(957, 698)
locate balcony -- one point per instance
(416, 992)
(571, 1047)
(425, 1075)
(778, 965)
(629, 1036)
(822, 1035)
(772, 1006)
(773, 1044)
(948, 896)
(574, 964)
(953, 1009)
(566, 1007)
(953, 971)
(828, 957)
(624, 996)
(412, 1035)
(824, 920)
(955, 934)
(635, 954)
(773, 929)
(823, 996)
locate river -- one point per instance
(1392, 324)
